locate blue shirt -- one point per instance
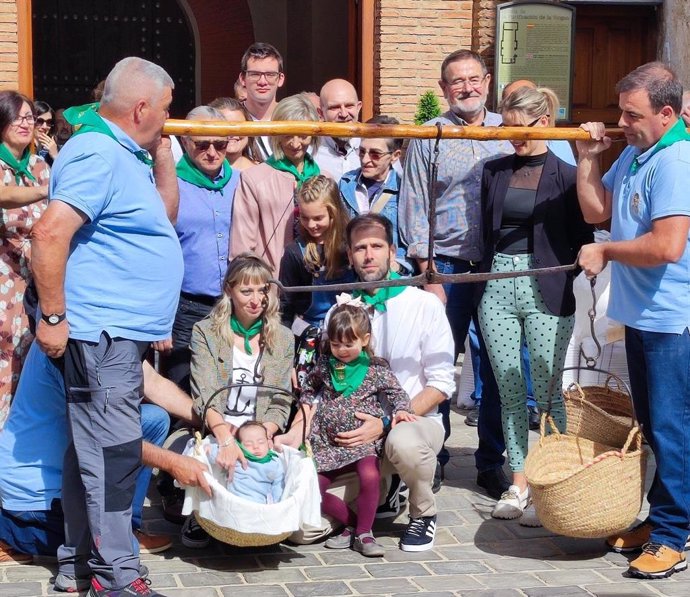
(655, 299)
(125, 264)
(203, 227)
(561, 148)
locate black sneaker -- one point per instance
(394, 501)
(472, 418)
(193, 536)
(439, 477)
(138, 588)
(419, 534)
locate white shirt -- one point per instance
(332, 161)
(242, 400)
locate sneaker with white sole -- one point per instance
(529, 518)
(512, 503)
(68, 583)
(419, 534)
(395, 500)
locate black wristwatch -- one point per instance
(54, 318)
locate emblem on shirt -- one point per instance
(635, 205)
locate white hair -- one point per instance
(204, 113)
(132, 79)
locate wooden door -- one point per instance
(77, 42)
(610, 41)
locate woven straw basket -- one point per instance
(233, 537)
(599, 413)
(582, 488)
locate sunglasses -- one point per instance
(205, 145)
(44, 121)
(527, 125)
(374, 154)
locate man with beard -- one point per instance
(457, 248)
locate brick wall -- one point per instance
(8, 45)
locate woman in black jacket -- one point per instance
(531, 219)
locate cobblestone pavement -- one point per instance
(474, 556)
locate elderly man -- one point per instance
(207, 185)
(261, 75)
(338, 103)
(645, 196)
(465, 82)
(108, 269)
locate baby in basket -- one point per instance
(263, 480)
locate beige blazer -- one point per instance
(211, 369)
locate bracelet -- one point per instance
(226, 443)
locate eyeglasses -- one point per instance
(374, 154)
(205, 145)
(255, 75)
(29, 118)
(44, 121)
(530, 124)
(473, 82)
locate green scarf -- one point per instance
(260, 459)
(347, 377)
(20, 166)
(379, 298)
(85, 119)
(253, 330)
(676, 133)
(310, 168)
(188, 171)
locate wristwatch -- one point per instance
(386, 423)
(53, 318)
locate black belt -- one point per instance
(204, 299)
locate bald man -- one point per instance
(560, 147)
(338, 102)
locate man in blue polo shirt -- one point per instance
(645, 194)
(108, 269)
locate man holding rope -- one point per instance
(645, 196)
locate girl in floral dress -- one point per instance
(346, 381)
(23, 193)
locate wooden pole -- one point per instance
(209, 128)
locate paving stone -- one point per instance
(427, 593)
(27, 572)
(672, 588)
(254, 591)
(615, 590)
(275, 576)
(448, 582)
(523, 548)
(318, 589)
(568, 577)
(513, 564)
(471, 533)
(462, 552)
(209, 578)
(19, 589)
(199, 592)
(161, 581)
(509, 579)
(385, 570)
(336, 572)
(382, 587)
(493, 593)
(230, 563)
(398, 555)
(448, 518)
(578, 563)
(458, 567)
(555, 590)
(288, 559)
(333, 557)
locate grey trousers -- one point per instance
(103, 384)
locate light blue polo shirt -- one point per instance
(125, 264)
(654, 299)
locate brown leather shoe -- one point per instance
(657, 561)
(9, 555)
(153, 543)
(632, 540)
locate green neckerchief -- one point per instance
(260, 459)
(310, 168)
(347, 377)
(253, 330)
(676, 133)
(20, 166)
(379, 298)
(187, 170)
(86, 119)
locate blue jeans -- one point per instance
(461, 312)
(659, 369)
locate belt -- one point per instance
(204, 299)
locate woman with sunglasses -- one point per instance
(531, 219)
(242, 152)
(207, 185)
(265, 212)
(240, 342)
(23, 195)
(46, 145)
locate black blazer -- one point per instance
(559, 228)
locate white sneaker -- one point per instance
(529, 518)
(512, 503)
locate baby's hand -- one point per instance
(403, 416)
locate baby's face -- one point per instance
(255, 441)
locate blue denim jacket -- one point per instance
(348, 185)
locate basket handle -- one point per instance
(558, 376)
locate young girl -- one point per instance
(350, 380)
(318, 256)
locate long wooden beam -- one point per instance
(207, 128)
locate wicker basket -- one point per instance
(599, 413)
(233, 537)
(581, 488)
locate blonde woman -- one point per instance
(264, 215)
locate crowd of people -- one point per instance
(117, 240)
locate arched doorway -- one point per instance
(77, 42)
